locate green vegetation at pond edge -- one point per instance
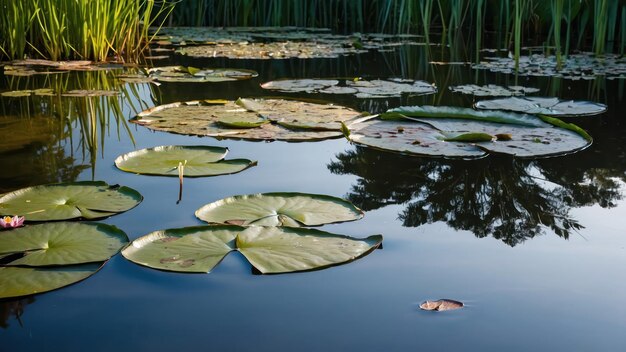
(271, 250)
(63, 201)
(279, 209)
(252, 119)
(466, 133)
(44, 257)
(199, 161)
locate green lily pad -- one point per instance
(463, 133)
(61, 243)
(191, 249)
(62, 201)
(271, 250)
(360, 88)
(252, 119)
(492, 90)
(279, 209)
(28, 92)
(91, 93)
(198, 75)
(544, 106)
(22, 281)
(199, 161)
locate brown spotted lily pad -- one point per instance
(252, 119)
(441, 305)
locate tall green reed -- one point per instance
(79, 29)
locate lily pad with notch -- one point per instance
(544, 106)
(279, 209)
(44, 257)
(250, 119)
(466, 133)
(270, 250)
(72, 200)
(199, 161)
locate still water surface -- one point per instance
(536, 249)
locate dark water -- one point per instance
(536, 249)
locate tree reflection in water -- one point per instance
(510, 199)
(13, 309)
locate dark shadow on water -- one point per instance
(509, 199)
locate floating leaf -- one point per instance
(90, 93)
(544, 106)
(273, 250)
(361, 88)
(191, 249)
(253, 119)
(492, 90)
(465, 133)
(269, 249)
(89, 200)
(28, 92)
(575, 67)
(441, 305)
(191, 74)
(199, 161)
(22, 281)
(61, 243)
(279, 209)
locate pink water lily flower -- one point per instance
(11, 222)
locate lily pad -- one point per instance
(492, 90)
(192, 74)
(271, 250)
(199, 161)
(544, 106)
(28, 92)
(461, 133)
(253, 119)
(62, 201)
(360, 88)
(61, 243)
(586, 66)
(91, 93)
(441, 305)
(22, 281)
(279, 209)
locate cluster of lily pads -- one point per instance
(273, 42)
(251, 119)
(188, 75)
(358, 87)
(585, 66)
(265, 228)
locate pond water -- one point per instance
(536, 249)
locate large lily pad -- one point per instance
(279, 209)
(466, 133)
(253, 119)
(544, 106)
(191, 249)
(44, 257)
(377, 88)
(199, 161)
(22, 281)
(271, 250)
(61, 243)
(192, 74)
(89, 200)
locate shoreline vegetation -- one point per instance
(119, 30)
